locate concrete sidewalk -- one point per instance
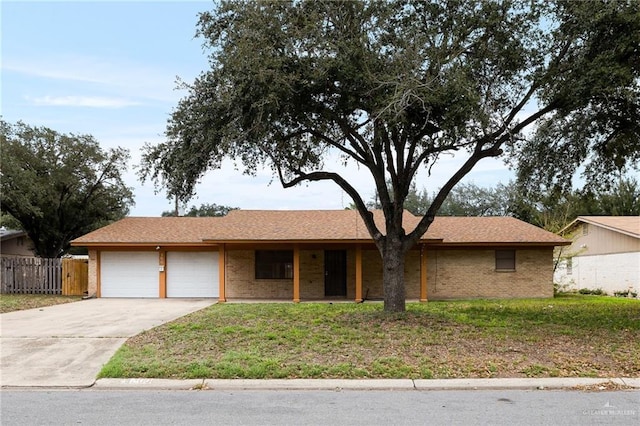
(367, 384)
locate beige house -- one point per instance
(15, 244)
(314, 255)
(604, 254)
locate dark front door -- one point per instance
(335, 273)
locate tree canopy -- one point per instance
(205, 210)
(465, 199)
(60, 186)
(551, 210)
(555, 208)
(394, 86)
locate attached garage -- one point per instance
(129, 274)
(192, 274)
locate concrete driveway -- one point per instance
(67, 345)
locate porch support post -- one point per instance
(358, 273)
(423, 273)
(98, 275)
(296, 273)
(162, 260)
(222, 255)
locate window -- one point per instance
(585, 229)
(570, 266)
(274, 264)
(505, 260)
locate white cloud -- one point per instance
(228, 186)
(83, 101)
(114, 75)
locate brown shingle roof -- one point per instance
(629, 225)
(296, 225)
(151, 230)
(308, 225)
(490, 230)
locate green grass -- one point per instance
(587, 336)
(18, 302)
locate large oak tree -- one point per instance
(394, 86)
(60, 186)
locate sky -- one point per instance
(110, 68)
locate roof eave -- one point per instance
(209, 243)
(140, 244)
(11, 236)
(610, 228)
(505, 244)
(303, 241)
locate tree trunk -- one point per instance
(393, 278)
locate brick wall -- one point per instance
(454, 274)
(312, 274)
(241, 281)
(451, 274)
(372, 274)
(92, 289)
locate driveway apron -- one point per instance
(67, 345)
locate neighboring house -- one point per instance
(15, 244)
(605, 254)
(314, 255)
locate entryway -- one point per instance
(335, 273)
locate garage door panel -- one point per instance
(192, 274)
(129, 274)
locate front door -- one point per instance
(335, 273)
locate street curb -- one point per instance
(311, 384)
(518, 383)
(149, 384)
(365, 384)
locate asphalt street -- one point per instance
(346, 407)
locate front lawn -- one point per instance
(18, 302)
(569, 336)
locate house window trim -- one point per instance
(281, 269)
(497, 259)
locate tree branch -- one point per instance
(336, 145)
(367, 216)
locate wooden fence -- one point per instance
(30, 275)
(75, 277)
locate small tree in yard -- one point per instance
(59, 187)
(393, 86)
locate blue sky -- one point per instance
(109, 69)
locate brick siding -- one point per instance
(456, 274)
(92, 289)
(451, 274)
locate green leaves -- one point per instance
(393, 86)
(59, 186)
(593, 82)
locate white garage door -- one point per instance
(129, 274)
(192, 274)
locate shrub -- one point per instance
(596, 291)
(625, 293)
